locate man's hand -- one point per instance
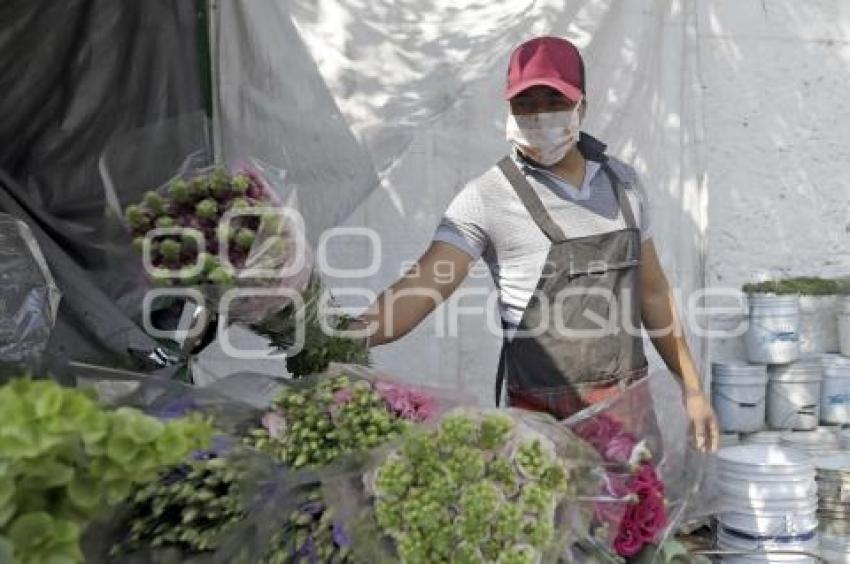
(703, 422)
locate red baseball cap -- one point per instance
(546, 61)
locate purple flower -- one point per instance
(175, 409)
(314, 508)
(221, 446)
(340, 537)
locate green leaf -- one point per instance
(49, 402)
(49, 473)
(7, 511)
(93, 427)
(172, 444)
(121, 449)
(65, 531)
(117, 491)
(7, 489)
(19, 442)
(146, 429)
(30, 530)
(84, 492)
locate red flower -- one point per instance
(651, 516)
(644, 520)
(629, 542)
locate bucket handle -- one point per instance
(808, 409)
(740, 403)
(795, 334)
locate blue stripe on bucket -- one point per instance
(780, 539)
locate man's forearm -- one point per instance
(397, 311)
(662, 322)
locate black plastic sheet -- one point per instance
(74, 75)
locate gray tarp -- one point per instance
(75, 75)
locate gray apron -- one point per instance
(560, 360)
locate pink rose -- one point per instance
(619, 449)
(407, 402)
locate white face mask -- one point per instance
(545, 137)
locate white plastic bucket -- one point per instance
(767, 490)
(835, 394)
(844, 326)
(773, 334)
(835, 549)
(818, 324)
(793, 395)
(763, 523)
(755, 461)
(771, 491)
(729, 439)
(767, 437)
(770, 559)
(821, 441)
(739, 394)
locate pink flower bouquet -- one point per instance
(642, 515)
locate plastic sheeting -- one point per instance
(413, 90)
(74, 75)
(28, 298)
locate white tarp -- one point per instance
(383, 109)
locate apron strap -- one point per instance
(531, 200)
(500, 374)
(620, 194)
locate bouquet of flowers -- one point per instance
(635, 514)
(481, 486)
(315, 424)
(213, 229)
(185, 509)
(320, 347)
(316, 427)
(64, 458)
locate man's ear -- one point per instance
(582, 110)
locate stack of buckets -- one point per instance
(833, 476)
(769, 501)
(776, 400)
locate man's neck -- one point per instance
(571, 168)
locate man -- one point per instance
(565, 232)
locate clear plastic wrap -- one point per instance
(29, 299)
(480, 485)
(212, 229)
(655, 477)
